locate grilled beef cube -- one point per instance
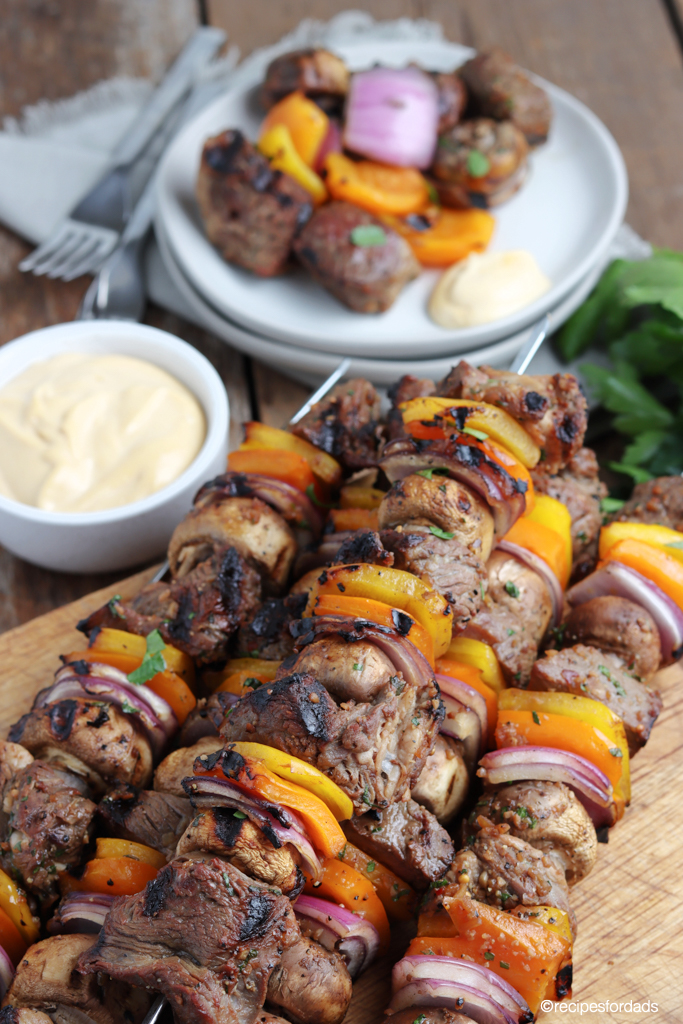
(656, 501)
(48, 979)
(588, 672)
(452, 98)
(345, 423)
(205, 719)
(480, 163)
(403, 390)
(580, 490)
(251, 213)
(551, 409)
(145, 816)
(266, 632)
(363, 546)
(318, 73)
(406, 838)
(197, 613)
(499, 88)
(48, 824)
(514, 618)
(203, 935)
(365, 277)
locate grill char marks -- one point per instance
(345, 423)
(145, 816)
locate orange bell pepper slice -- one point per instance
(376, 611)
(398, 898)
(14, 903)
(375, 187)
(360, 497)
(108, 848)
(472, 676)
(321, 826)
(234, 677)
(480, 656)
(288, 467)
(277, 144)
(344, 885)
(354, 519)
(259, 435)
(540, 729)
(541, 540)
(307, 124)
(552, 513)
(117, 641)
(451, 236)
(394, 587)
(660, 537)
(116, 876)
(10, 939)
(663, 570)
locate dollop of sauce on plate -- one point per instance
(82, 432)
(485, 287)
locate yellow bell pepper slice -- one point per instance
(307, 123)
(482, 417)
(360, 497)
(662, 569)
(593, 712)
(259, 435)
(394, 587)
(481, 656)
(278, 146)
(661, 537)
(303, 774)
(552, 513)
(552, 918)
(117, 641)
(14, 903)
(107, 848)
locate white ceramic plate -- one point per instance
(566, 215)
(311, 367)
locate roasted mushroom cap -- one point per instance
(500, 88)
(316, 72)
(443, 782)
(480, 163)
(355, 671)
(619, 626)
(311, 984)
(178, 765)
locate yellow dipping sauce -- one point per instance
(486, 286)
(81, 432)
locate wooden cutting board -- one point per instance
(629, 948)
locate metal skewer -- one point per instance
(527, 352)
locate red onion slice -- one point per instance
(6, 973)
(462, 723)
(290, 502)
(206, 791)
(518, 764)
(392, 115)
(445, 968)
(332, 143)
(455, 996)
(98, 671)
(503, 494)
(82, 913)
(533, 561)
(618, 580)
(334, 927)
(467, 695)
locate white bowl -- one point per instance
(130, 534)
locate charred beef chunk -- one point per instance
(446, 565)
(548, 816)
(318, 73)
(406, 838)
(145, 816)
(48, 824)
(363, 546)
(505, 871)
(365, 277)
(198, 613)
(403, 390)
(373, 749)
(514, 618)
(217, 831)
(228, 515)
(499, 88)
(266, 632)
(452, 98)
(311, 985)
(588, 672)
(92, 737)
(205, 719)
(656, 501)
(619, 626)
(203, 935)
(501, 163)
(580, 490)
(345, 423)
(551, 409)
(168, 778)
(48, 978)
(251, 213)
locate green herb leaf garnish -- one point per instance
(368, 235)
(153, 661)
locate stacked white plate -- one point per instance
(566, 214)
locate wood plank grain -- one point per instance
(277, 396)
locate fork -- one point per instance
(81, 243)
